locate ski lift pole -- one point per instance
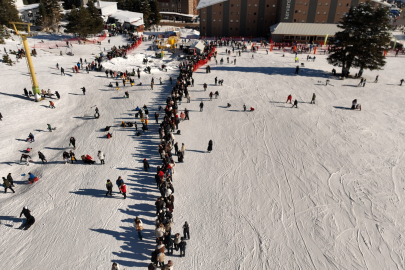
(35, 87)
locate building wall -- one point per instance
(179, 6)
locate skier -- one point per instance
(57, 94)
(244, 107)
(313, 99)
(7, 185)
(186, 231)
(145, 165)
(182, 246)
(139, 227)
(289, 98)
(57, 65)
(26, 157)
(209, 146)
(101, 157)
(295, 104)
(42, 157)
(201, 106)
(30, 220)
(109, 187)
(84, 90)
(73, 142)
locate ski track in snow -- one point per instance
(318, 187)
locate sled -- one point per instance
(35, 180)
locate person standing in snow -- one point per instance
(7, 185)
(244, 107)
(295, 104)
(57, 94)
(211, 94)
(1, 117)
(313, 99)
(289, 98)
(42, 157)
(361, 82)
(26, 157)
(201, 106)
(115, 266)
(123, 190)
(101, 157)
(72, 156)
(209, 146)
(84, 90)
(176, 148)
(10, 179)
(364, 82)
(401, 82)
(186, 230)
(216, 80)
(205, 86)
(183, 149)
(109, 187)
(151, 85)
(73, 142)
(182, 246)
(139, 227)
(376, 79)
(119, 183)
(145, 165)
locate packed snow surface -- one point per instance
(318, 187)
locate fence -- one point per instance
(203, 62)
(63, 42)
(133, 47)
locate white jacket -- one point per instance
(140, 223)
(183, 148)
(159, 232)
(100, 155)
(172, 136)
(168, 192)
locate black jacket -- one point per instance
(26, 212)
(109, 186)
(41, 156)
(145, 164)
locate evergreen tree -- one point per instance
(49, 15)
(145, 9)
(69, 4)
(365, 34)
(8, 13)
(155, 16)
(7, 59)
(84, 21)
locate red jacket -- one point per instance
(123, 188)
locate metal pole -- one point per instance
(35, 87)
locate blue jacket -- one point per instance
(119, 182)
(32, 176)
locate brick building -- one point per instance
(253, 18)
(178, 9)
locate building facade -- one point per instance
(253, 18)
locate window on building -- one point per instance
(231, 20)
(230, 28)
(213, 12)
(296, 11)
(255, 5)
(326, 4)
(267, 14)
(179, 5)
(220, 4)
(320, 38)
(172, 5)
(237, 13)
(273, 14)
(250, 13)
(265, 21)
(323, 21)
(249, 5)
(203, 12)
(295, 20)
(219, 20)
(236, 28)
(286, 37)
(303, 38)
(248, 21)
(237, 5)
(237, 21)
(338, 13)
(274, 5)
(203, 27)
(268, 5)
(320, 4)
(167, 4)
(254, 13)
(231, 13)
(247, 29)
(179, 10)
(173, 10)
(318, 13)
(219, 28)
(305, 4)
(340, 4)
(304, 12)
(254, 21)
(203, 20)
(347, 4)
(316, 21)
(324, 13)
(213, 20)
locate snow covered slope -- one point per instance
(318, 187)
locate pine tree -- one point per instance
(69, 4)
(7, 59)
(49, 15)
(84, 21)
(155, 14)
(145, 9)
(364, 37)
(8, 13)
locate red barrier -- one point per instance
(203, 62)
(133, 47)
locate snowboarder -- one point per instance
(30, 220)
(49, 127)
(182, 246)
(101, 157)
(209, 146)
(73, 142)
(139, 227)
(295, 104)
(289, 98)
(313, 99)
(42, 157)
(7, 185)
(109, 187)
(201, 106)
(186, 230)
